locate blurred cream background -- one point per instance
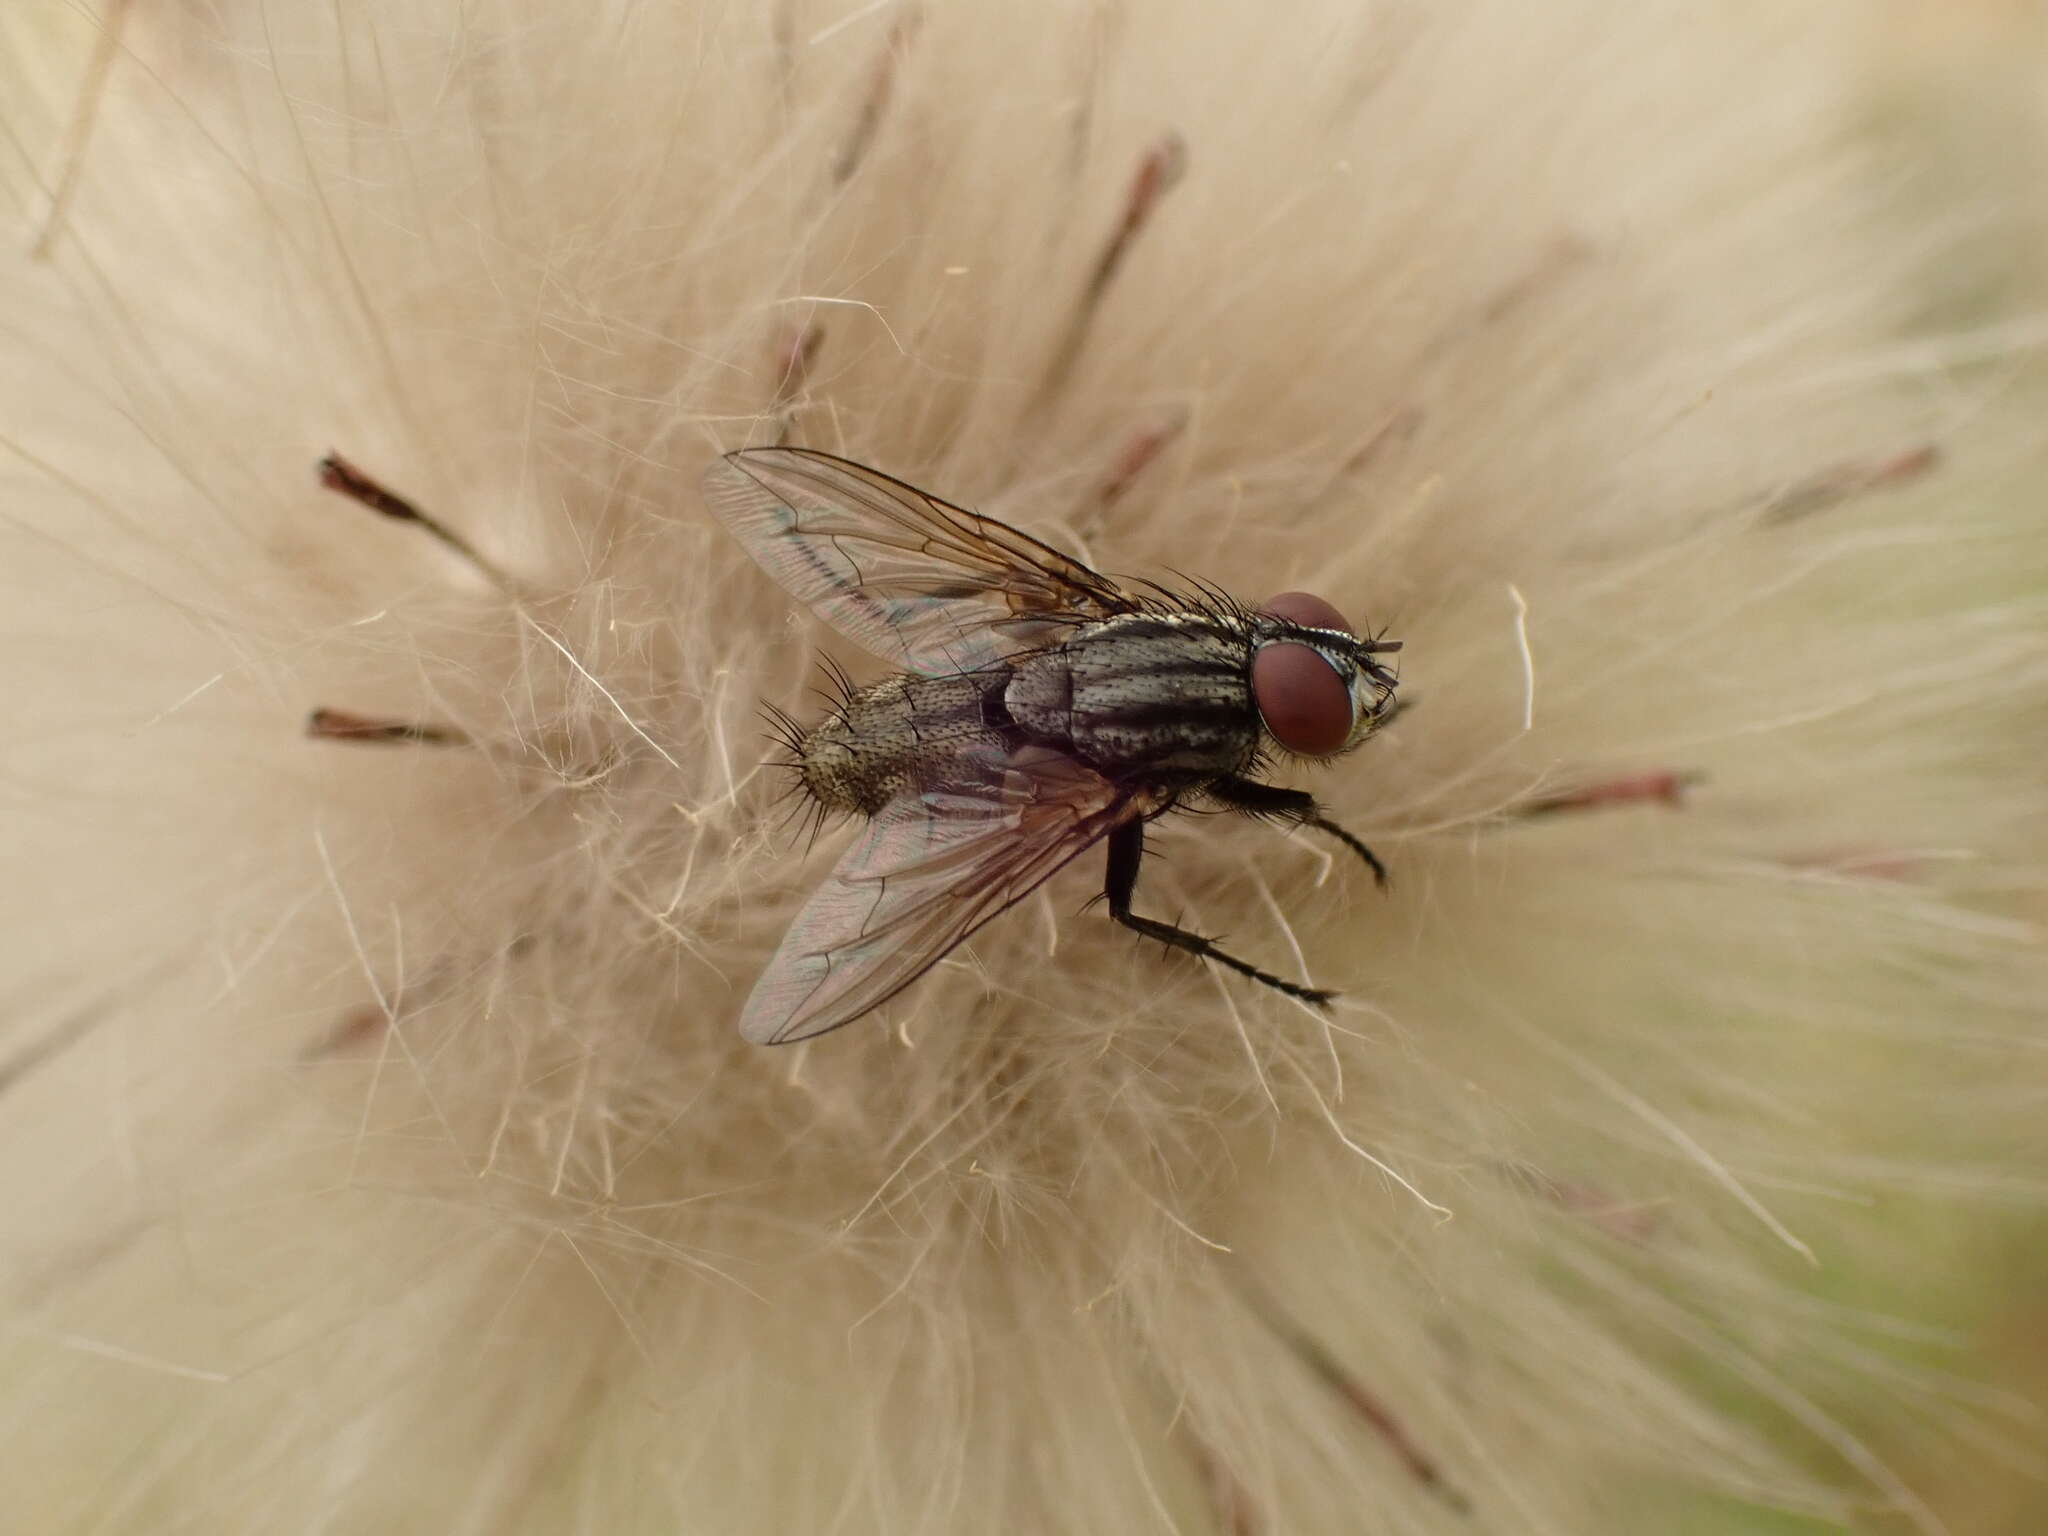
(376, 1150)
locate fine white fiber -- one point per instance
(382, 891)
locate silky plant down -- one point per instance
(390, 853)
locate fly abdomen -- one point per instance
(900, 733)
(1145, 690)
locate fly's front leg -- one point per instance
(1295, 805)
(1126, 852)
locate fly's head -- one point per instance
(1319, 688)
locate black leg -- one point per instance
(1296, 805)
(1126, 852)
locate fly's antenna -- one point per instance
(1378, 646)
(1388, 678)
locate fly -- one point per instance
(1041, 709)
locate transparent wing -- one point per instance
(911, 578)
(929, 870)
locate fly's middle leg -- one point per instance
(1295, 805)
(1126, 852)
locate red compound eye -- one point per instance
(1303, 701)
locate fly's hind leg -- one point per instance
(1126, 852)
(1295, 805)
